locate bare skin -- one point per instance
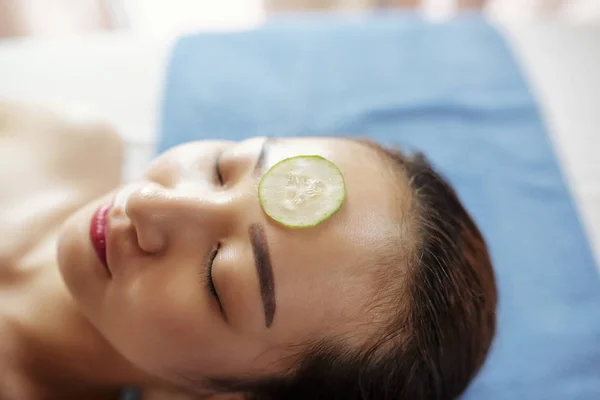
(72, 327)
(48, 160)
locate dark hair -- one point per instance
(432, 347)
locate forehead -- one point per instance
(324, 274)
(368, 174)
(373, 193)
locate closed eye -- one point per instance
(218, 175)
(210, 284)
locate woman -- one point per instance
(180, 281)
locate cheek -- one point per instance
(160, 320)
(167, 326)
(167, 333)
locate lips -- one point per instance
(98, 232)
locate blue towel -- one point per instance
(454, 91)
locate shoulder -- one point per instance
(65, 144)
(51, 163)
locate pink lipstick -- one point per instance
(98, 231)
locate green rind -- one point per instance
(318, 222)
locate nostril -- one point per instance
(150, 239)
(143, 206)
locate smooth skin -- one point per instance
(68, 326)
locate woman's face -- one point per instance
(274, 287)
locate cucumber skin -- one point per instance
(318, 222)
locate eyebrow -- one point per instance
(264, 269)
(262, 156)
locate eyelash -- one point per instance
(210, 284)
(218, 169)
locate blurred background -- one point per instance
(63, 17)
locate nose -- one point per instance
(162, 215)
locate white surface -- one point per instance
(563, 67)
(116, 76)
(173, 17)
(119, 77)
(528, 10)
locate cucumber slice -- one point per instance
(302, 191)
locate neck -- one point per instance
(58, 347)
